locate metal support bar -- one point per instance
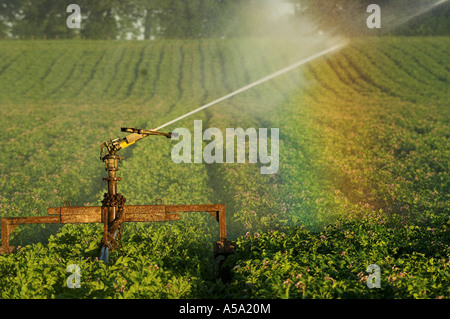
(215, 210)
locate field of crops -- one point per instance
(363, 176)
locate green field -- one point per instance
(363, 176)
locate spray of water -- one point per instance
(275, 33)
(258, 82)
(276, 20)
(395, 16)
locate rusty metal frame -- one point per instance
(133, 213)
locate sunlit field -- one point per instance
(363, 169)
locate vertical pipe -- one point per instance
(5, 233)
(112, 168)
(112, 190)
(110, 212)
(222, 223)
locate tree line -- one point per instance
(152, 19)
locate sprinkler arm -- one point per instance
(114, 145)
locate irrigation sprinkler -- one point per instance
(113, 212)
